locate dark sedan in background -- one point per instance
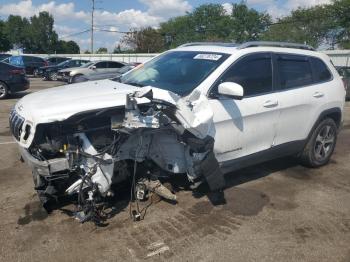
(12, 79)
(344, 71)
(51, 61)
(4, 56)
(50, 72)
(29, 63)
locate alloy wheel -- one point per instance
(53, 76)
(324, 142)
(3, 90)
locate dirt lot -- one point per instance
(278, 211)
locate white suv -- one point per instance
(200, 110)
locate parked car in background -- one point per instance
(93, 71)
(344, 72)
(29, 63)
(52, 61)
(12, 79)
(51, 72)
(4, 56)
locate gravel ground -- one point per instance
(278, 211)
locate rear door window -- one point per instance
(293, 71)
(115, 65)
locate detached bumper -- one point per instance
(44, 168)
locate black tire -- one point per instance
(321, 144)
(4, 91)
(78, 79)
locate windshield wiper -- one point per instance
(134, 84)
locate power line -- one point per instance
(115, 31)
(75, 34)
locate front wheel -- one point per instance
(3, 90)
(78, 79)
(321, 144)
(53, 76)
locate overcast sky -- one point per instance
(121, 15)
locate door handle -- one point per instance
(318, 94)
(270, 103)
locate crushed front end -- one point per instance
(143, 143)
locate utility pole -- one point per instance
(92, 26)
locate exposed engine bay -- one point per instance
(142, 143)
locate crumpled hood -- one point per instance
(60, 103)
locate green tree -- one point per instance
(247, 24)
(5, 43)
(314, 26)
(341, 15)
(102, 50)
(43, 38)
(16, 28)
(117, 50)
(208, 22)
(145, 40)
(64, 47)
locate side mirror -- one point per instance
(231, 89)
(93, 67)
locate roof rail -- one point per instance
(226, 44)
(275, 44)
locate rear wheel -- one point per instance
(321, 144)
(3, 90)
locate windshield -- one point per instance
(177, 71)
(63, 63)
(87, 64)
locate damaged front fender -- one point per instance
(166, 136)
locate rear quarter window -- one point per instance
(320, 70)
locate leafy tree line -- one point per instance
(33, 35)
(324, 25)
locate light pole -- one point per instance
(92, 26)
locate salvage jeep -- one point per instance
(198, 111)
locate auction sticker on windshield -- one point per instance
(214, 57)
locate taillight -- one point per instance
(17, 72)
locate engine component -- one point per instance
(157, 187)
(92, 150)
